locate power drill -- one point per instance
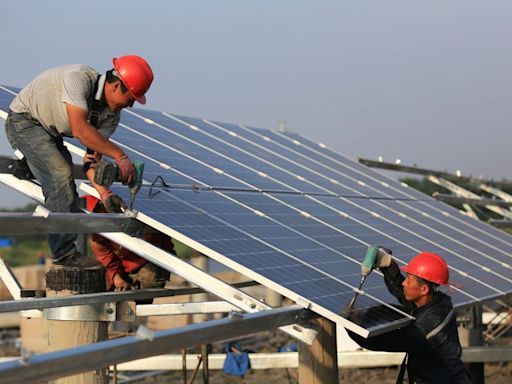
(106, 173)
(366, 268)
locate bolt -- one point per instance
(129, 312)
(252, 305)
(110, 311)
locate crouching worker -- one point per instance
(124, 269)
(431, 341)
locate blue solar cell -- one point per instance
(6, 97)
(333, 160)
(268, 249)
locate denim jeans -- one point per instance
(52, 165)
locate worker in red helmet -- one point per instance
(431, 341)
(125, 270)
(75, 101)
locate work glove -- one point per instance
(384, 258)
(112, 202)
(126, 168)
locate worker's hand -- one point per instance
(384, 258)
(121, 284)
(112, 202)
(126, 168)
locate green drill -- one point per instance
(366, 268)
(106, 173)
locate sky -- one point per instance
(429, 83)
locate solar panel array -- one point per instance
(298, 217)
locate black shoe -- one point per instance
(80, 261)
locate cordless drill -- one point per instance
(106, 173)
(366, 268)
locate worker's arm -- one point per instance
(88, 135)
(408, 339)
(111, 202)
(102, 249)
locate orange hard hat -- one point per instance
(136, 74)
(428, 266)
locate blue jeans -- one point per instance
(52, 165)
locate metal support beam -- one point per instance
(92, 298)
(481, 202)
(14, 224)
(506, 223)
(424, 171)
(184, 308)
(52, 365)
(13, 166)
(278, 360)
(468, 194)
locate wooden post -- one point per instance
(62, 334)
(318, 364)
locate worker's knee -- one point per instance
(152, 276)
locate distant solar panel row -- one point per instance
(296, 216)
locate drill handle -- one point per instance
(369, 260)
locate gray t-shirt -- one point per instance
(44, 99)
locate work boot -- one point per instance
(80, 261)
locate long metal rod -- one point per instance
(66, 362)
(101, 297)
(451, 199)
(27, 223)
(425, 171)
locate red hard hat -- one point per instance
(136, 74)
(429, 266)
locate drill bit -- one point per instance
(351, 304)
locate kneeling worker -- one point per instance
(124, 269)
(431, 341)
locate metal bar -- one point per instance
(9, 164)
(506, 223)
(346, 359)
(468, 194)
(92, 298)
(451, 199)
(425, 171)
(27, 223)
(184, 308)
(66, 362)
(10, 281)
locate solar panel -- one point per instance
(298, 217)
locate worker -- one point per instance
(431, 341)
(124, 270)
(75, 101)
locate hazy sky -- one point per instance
(427, 82)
